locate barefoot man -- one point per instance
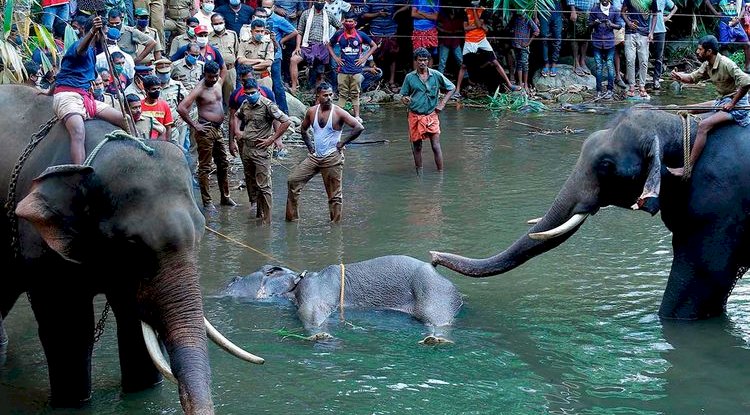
(730, 81)
(208, 135)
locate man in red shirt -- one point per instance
(155, 107)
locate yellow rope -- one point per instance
(686, 124)
(341, 293)
(257, 251)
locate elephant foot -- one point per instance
(322, 336)
(67, 402)
(435, 340)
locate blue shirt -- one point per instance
(727, 8)
(212, 54)
(281, 28)
(602, 36)
(77, 71)
(428, 7)
(235, 19)
(290, 6)
(351, 49)
(383, 25)
(662, 5)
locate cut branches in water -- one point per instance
(516, 102)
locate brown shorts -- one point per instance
(422, 127)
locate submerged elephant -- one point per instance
(125, 225)
(394, 282)
(708, 214)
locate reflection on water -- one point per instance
(572, 332)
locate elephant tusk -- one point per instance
(154, 350)
(230, 347)
(533, 221)
(566, 227)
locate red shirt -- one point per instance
(160, 110)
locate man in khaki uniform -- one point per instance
(176, 13)
(130, 38)
(228, 44)
(173, 92)
(258, 54)
(257, 115)
(184, 39)
(155, 11)
(189, 69)
(147, 128)
(142, 21)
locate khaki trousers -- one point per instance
(257, 165)
(349, 88)
(228, 85)
(331, 168)
(211, 147)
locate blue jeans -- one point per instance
(370, 79)
(604, 57)
(444, 51)
(278, 86)
(62, 12)
(551, 28)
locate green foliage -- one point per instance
(738, 57)
(286, 333)
(511, 102)
(8, 16)
(528, 8)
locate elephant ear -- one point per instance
(56, 206)
(649, 198)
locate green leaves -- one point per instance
(528, 8)
(13, 70)
(70, 36)
(45, 39)
(8, 16)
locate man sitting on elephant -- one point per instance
(730, 81)
(73, 102)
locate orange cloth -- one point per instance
(422, 127)
(472, 15)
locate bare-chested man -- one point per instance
(208, 135)
(325, 155)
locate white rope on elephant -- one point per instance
(341, 293)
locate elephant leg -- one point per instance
(314, 316)
(137, 369)
(704, 270)
(66, 326)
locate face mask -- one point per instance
(119, 68)
(349, 26)
(118, 27)
(269, 10)
(263, 19)
(319, 6)
(219, 28)
(163, 77)
(190, 59)
(201, 41)
(253, 98)
(208, 7)
(154, 94)
(142, 22)
(136, 115)
(191, 32)
(234, 3)
(98, 93)
(258, 37)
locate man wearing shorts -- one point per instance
(729, 29)
(73, 103)
(579, 33)
(420, 93)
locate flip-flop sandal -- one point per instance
(630, 93)
(586, 70)
(579, 72)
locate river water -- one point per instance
(572, 332)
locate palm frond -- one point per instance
(13, 69)
(8, 16)
(528, 8)
(46, 39)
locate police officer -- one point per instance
(173, 92)
(228, 44)
(141, 24)
(176, 13)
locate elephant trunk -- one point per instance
(564, 217)
(178, 317)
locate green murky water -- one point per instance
(571, 332)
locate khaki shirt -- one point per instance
(258, 119)
(228, 45)
(178, 9)
(133, 89)
(173, 94)
(149, 59)
(726, 76)
(130, 38)
(146, 125)
(260, 50)
(188, 76)
(178, 42)
(111, 100)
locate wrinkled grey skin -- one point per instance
(395, 282)
(126, 226)
(708, 215)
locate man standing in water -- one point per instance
(208, 136)
(326, 155)
(420, 93)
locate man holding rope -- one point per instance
(73, 103)
(730, 81)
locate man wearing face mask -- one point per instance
(285, 35)
(204, 14)
(258, 54)
(146, 127)
(97, 90)
(152, 105)
(32, 72)
(136, 87)
(313, 33)
(208, 135)
(206, 52)
(118, 63)
(189, 69)
(130, 38)
(141, 25)
(228, 44)
(176, 14)
(257, 115)
(236, 14)
(154, 13)
(128, 66)
(172, 91)
(185, 38)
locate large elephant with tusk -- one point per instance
(126, 225)
(625, 165)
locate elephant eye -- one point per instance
(272, 270)
(605, 166)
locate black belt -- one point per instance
(209, 123)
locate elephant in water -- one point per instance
(126, 225)
(394, 282)
(625, 165)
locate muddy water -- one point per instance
(572, 332)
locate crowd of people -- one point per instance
(230, 64)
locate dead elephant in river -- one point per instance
(394, 282)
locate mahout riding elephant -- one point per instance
(625, 165)
(126, 225)
(394, 282)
